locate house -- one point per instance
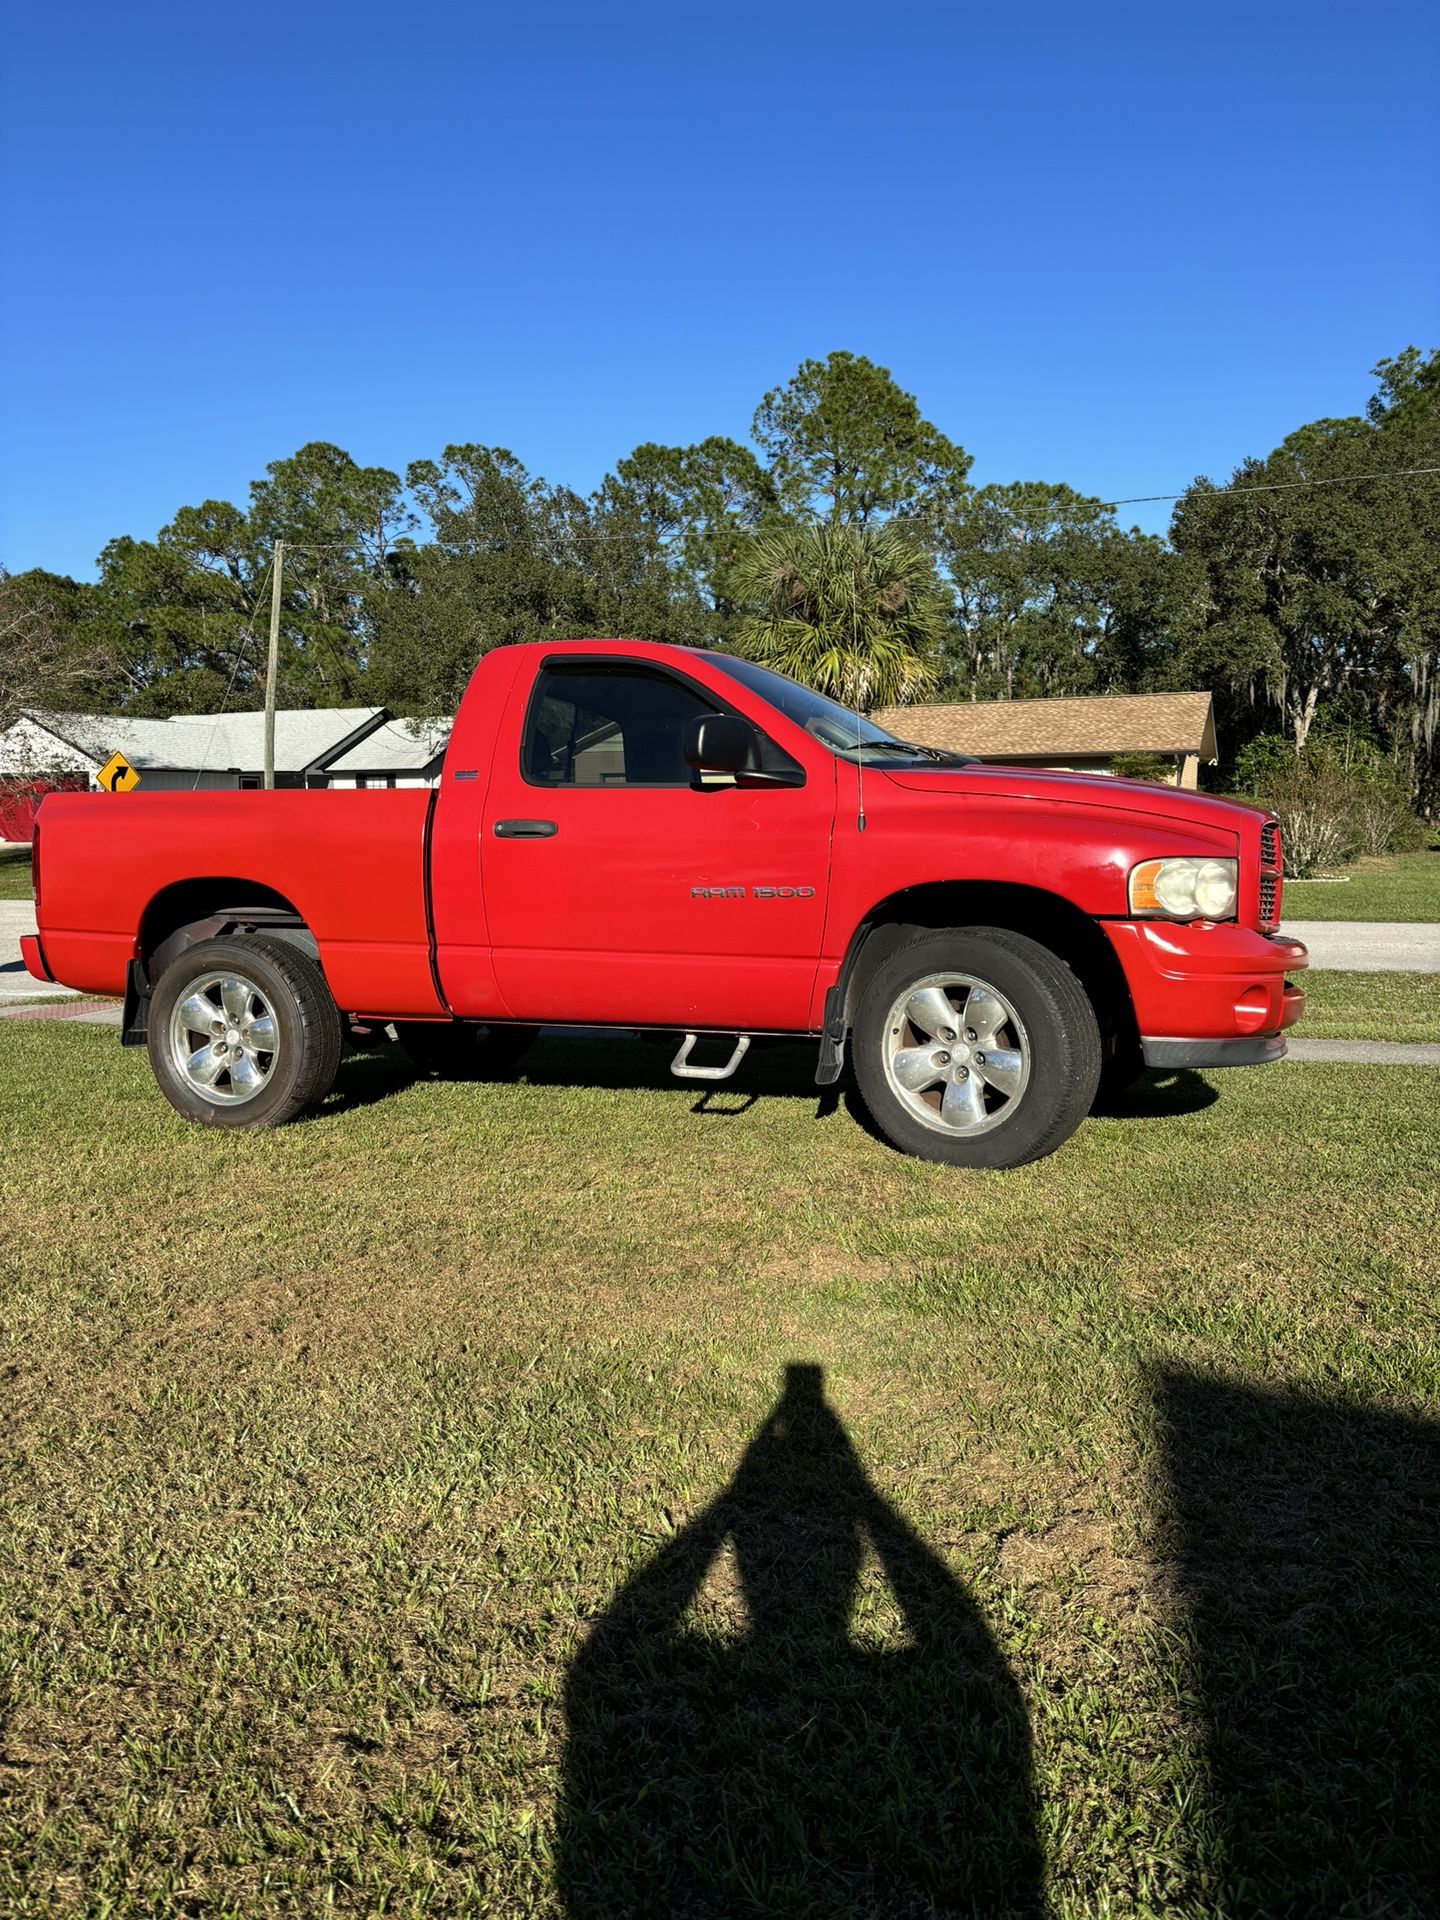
(188, 750)
(42, 751)
(1080, 734)
(397, 753)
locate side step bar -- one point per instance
(683, 1071)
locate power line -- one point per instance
(322, 546)
(240, 646)
(1129, 500)
(1278, 486)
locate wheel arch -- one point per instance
(189, 911)
(1048, 918)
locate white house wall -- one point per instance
(186, 780)
(381, 779)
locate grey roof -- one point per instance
(399, 746)
(304, 737)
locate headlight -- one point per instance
(1184, 889)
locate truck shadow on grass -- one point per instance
(1160, 1095)
(773, 1070)
(1308, 1540)
(785, 1070)
(1154, 1096)
(739, 1743)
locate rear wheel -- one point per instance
(464, 1050)
(243, 1032)
(976, 1047)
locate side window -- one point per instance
(608, 726)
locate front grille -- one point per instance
(1271, 868)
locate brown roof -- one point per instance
(1093, 724)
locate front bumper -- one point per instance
(1209, 994)
(1255, 1052)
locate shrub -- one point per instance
(1380, 820)
(1262, 763)
(1337, 799)
(1412, 834)
(1317, 829)
(1143, 766)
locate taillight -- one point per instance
(1272, 866)
(35, 860)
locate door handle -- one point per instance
(525, 829)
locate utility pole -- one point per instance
(272, 660)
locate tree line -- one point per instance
(842, 540)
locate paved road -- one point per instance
(1365, 1053)
(1371, 946)
(17, 917)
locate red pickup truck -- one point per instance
(631, 835)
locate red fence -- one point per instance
(20, 798)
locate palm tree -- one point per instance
(853, 611)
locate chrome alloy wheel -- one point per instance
(956, 1053)
(224, 1039)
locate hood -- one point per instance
(1176, 804)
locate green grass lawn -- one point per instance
(410, 1512)
(1371, 1006)
(1403, 886)
(15, 883)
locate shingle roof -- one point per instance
(399, 746)
(303, 736)
(1092, 724)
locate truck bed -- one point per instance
(351, 862)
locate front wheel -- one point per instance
(976, 1047)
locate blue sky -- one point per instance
(1111, 245)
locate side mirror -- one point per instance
(722, 743)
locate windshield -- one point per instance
(844, 731)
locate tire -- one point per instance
(276, 992)
(997, 1105)
(464, 1050)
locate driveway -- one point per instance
(17, 917)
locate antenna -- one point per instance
(855, 688)
(272, 659)
(859, 775)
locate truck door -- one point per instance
(620, 890)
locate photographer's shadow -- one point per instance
(776, 1763)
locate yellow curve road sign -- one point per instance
(117, 775)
